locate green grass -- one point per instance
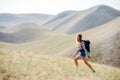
(2, 70)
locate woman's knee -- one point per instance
(85, 61)
(75, 59)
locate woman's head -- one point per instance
(79, 37)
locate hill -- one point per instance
(70, 22)
(30, 36)
(8, 20)
(17, 65)
(105, 42)
(24, 33)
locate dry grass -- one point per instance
(24, 65)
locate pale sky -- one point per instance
(51, 6)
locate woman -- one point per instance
(81, 52)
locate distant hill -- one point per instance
(70, 22)
(2, 27)
(8, 20)
(60, 16)
(23, 33)
(30, 36)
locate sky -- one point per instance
(51, 6)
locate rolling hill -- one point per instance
(70, 22)
(24, 33)
(32, 37)
(8, 20)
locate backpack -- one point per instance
(87, 45)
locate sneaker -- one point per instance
(93, 70)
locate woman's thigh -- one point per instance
(77, 57)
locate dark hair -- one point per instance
(79, 37)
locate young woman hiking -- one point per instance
(81, 53)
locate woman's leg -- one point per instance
(76, 58)
(86, 62)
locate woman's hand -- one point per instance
(89, 56)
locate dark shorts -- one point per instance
(81, 53)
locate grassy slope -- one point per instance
(50, 44)
(22, 65)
